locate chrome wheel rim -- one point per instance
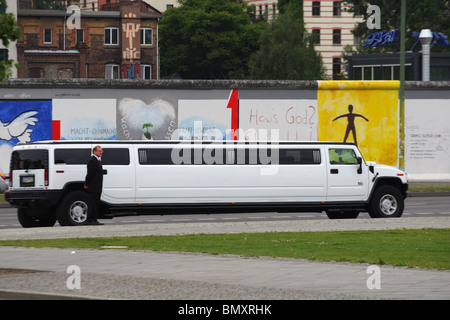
(388, 204)
(78, 211)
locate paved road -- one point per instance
(415, 207)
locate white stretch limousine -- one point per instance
(155, 177)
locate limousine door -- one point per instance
(347, 178)
(119, 175)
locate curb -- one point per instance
(30, 295)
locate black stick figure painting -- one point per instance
(351, 123)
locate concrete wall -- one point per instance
(44, 109)
(427, 130)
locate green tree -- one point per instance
(9, 31)
(295, 6)
(430, 14)
(287, 52)
(208, 39)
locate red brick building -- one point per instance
(120, 41)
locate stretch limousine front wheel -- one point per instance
(72, 210)
(387, 202)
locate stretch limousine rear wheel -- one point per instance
(387, 202)
(31, 218)
(72, 210)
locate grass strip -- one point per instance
(424, 248)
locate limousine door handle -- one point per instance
(334, 171)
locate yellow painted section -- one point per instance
(359, 85)
(373, 117)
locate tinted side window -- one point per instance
(300, 156)
(155, 156)
(72, 156)
(221, 156)
(29, 159)
(116, 156)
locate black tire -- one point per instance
(333, 214)
(30, 218)
(387, 202)
(72, 211)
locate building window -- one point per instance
(146, 71)
(336, 8)
(47, 35)
(169, 6)
(65, 73)
(146, 36)
(36, 72)
(439, 73)
(336, 36)
(80, 35)
(111, 36)
(112, 71)
(316, 36)
(336, 68)
(4, 56)
(316, 8)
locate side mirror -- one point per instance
(360, 165)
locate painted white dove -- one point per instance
(18, 128)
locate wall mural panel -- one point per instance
(364, 113)
(23, 121)
(86, 119)
(427, 136)
(145, 120)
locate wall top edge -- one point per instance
(222, 84)
(427, 85)
(159, 84)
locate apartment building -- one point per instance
(332, 26)
(266, 9)
(95, 5)
(118, 42)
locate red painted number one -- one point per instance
(233, 104)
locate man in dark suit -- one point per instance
(94, 184)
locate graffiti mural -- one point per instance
(131, 71)
(363, 113)
(94, 119)
(203, 120)
(350, 123)
(138, 120)
(23, 121)
(289, 120)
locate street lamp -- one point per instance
(425, 38)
